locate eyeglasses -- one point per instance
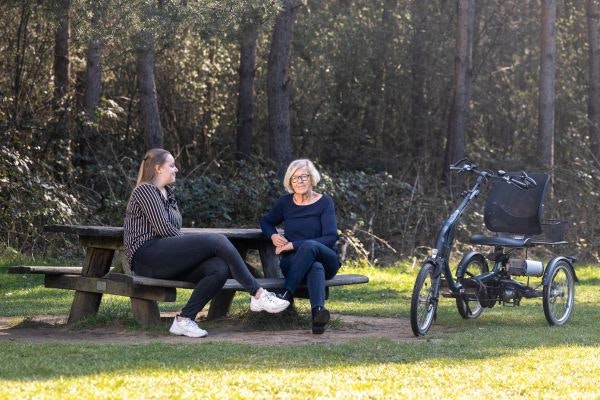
(299, 178)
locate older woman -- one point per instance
(307, 250)
(156, 248)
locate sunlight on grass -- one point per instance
(371, 370)
(507, 353)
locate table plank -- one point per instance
(116, 232)
(87, 230)
(232, 284)
(118, 287)
(46, 270)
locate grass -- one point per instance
(506, 353)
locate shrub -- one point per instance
(381, 217)
(29, 198)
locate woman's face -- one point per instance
(301, 181)
(165, 174)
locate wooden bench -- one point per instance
(95, 277)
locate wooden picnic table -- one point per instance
(100, 244)
(95, 277)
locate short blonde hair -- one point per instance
(315, 177)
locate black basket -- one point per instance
(553, 231)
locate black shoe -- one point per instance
(285, 295)
(320, 318)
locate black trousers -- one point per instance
(206, 259)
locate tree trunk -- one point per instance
(147, 87)
(207, 128)
(61, 51)
(60, 140)
(455, 145)
(417, 88)
(20, 52)
(280, 137)
(375, 114)
(547, 82)
(245, 115)
(91, 92)
(594, 86)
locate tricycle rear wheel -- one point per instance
(472, 265)
(559, 294)
(423, 304)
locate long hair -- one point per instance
(152, 159)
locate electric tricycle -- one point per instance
(513, 214)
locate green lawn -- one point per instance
(506, 353)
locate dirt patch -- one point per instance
(344, 328)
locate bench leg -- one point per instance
(145, 311)
(85, 304)
(220, 304)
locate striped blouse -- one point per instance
(149, 215)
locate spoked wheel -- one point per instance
(559, 294)
(423, 305)
(468, 305)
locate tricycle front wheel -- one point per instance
(423, 304)
(559, 294)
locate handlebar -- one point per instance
(522, 181)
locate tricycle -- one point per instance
(513, 213)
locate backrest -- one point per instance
(513, 210)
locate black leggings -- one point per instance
(206, 259)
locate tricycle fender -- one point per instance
(468, 257)
(551, 265)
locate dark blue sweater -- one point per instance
(314, 221)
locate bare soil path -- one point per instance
(54, 329)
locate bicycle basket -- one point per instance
(552, 231)
(509, 209)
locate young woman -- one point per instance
(156, 248)
(307, 250)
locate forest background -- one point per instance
(381, 94)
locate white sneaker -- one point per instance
(268, 302)
(187, 327)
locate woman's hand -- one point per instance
(278, 240)
(286, 247)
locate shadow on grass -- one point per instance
(589, 281)
(30, 323)
(43, 361)
(23, 361)
(35, 302)
(286, 320)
